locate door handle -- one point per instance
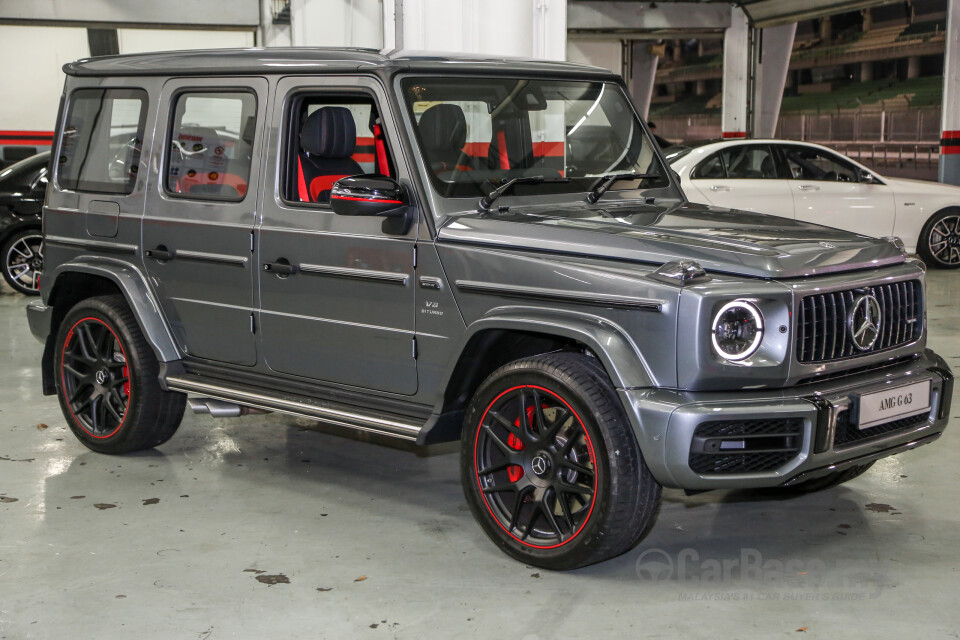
(809, 187)
(281, 267)
(719, 187)
(161, 253)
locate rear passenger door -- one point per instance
(200, 213)
(744, 176)
(346, 314)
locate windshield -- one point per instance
(477, 133)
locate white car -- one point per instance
(812, 183)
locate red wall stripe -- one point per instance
(734, 134)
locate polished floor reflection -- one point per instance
(272, 527)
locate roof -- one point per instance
(306, 60)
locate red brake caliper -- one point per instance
(126, 385)
(515, 472)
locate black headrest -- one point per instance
(329, 132)
(443, 128)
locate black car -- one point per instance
(22, 187)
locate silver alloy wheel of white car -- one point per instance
(23, 261)
(943, 241)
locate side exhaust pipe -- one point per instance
(221, 409)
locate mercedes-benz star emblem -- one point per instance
(540, 465)
(864, 322)
(101, 376)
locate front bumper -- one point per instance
(816, 417)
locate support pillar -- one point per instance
(734, 118)
(913, 67)
(826, 29)
(866, 71)
(527, 28)
(643, 71)
(336, 23)
(950, 120)
(772, 67)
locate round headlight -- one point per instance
(737, 330)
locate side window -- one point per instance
(332, 137)
(749, 162)
(808, 163)
(101, 141)
(211, 145)
(711, 168)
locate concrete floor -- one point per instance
(269, 527)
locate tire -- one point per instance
(939, 242)
(107, 380)
(568, 489)
(22, 255)
(825, 482)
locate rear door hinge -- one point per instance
(414, 347)
(414, 256)
(253, 324)
(251, 242)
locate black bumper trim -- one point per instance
(852, 462)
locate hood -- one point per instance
(903, 186)
(721, 240)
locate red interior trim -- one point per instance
(502, 149)
(383, 164)
(320, 184)
(302, 192)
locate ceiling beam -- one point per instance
(640, 17)
(770, 13)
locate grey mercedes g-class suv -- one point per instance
(437, 249)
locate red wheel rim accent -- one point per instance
(549, 502)
(95, 383)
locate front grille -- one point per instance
(846, 433)
(822, 321)
(745, 446)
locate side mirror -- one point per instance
(369, 195)
(867, 178)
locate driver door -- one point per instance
(345, 315)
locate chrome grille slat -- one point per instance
(822, 331)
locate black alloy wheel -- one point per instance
(95, 377)
(550, 465)
(535, 468)
(108, 379)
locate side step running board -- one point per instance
(342, 415)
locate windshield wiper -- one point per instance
(605, 182)
(484, 205)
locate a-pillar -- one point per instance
(950, 120)
(528, 28)
(734, 118)
(642, 75)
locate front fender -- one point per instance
(621, 358)
(133, 285)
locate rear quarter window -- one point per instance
(101, 140)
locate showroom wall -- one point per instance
(36, 80)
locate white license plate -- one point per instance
(890, 404)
